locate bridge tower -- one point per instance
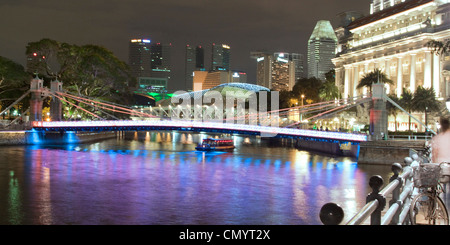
(378, 113)
(37, 98)
(55, 103)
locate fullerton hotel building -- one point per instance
(393, 39)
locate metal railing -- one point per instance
(410, 137)
(400, 189)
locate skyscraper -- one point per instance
(321, 49)
(140, 57)
(275, 71)
(264, 62)
(298, 63)
(220, 59)
(195, 61)
(160, 60)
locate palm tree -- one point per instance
(438, 47)
(406, 102)
(329, 91)
(425, 101)
(376, 76)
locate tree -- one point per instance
(329, 91)
(438, 47)
(14, 81)
(376, 76)
(88, 70)
(425, 101)
(310, 87)
(406, 102)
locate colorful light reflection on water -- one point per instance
(159, 178)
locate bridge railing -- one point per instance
(400, 189)
(410, 137)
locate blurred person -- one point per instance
(440, 145)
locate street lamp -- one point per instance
(301, 114)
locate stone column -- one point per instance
(346, 81)
(366, 70)
(337, 81)
(37, 100)
(436, 74)
(387, 71)
(399, 76)
(412, 79)
(355, 80)
(427, 70)
(55, 103)
(378, 114)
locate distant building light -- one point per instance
(140, 40)
(225, 46)
(282, 60)
(235, 74)
(260, 59)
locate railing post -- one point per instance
(331, 214)
(376, 182)
(396, 169)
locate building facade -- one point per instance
(210, 79)
(194, 61)
(394, 39)
(276, 71)
(140, 57)
(220, 57)
(161, 60)
(321, 49)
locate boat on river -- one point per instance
(211, 144)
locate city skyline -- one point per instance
(244, 25)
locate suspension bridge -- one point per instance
(103, 117)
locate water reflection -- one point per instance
(159, 178)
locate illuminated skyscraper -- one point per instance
(195, 61)
(220, 57)
(160, 60)
(275, 71)
(321, 49)
(140, 57)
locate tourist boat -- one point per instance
(211, 144)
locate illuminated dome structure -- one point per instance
(239, 89)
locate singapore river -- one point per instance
(158, 178)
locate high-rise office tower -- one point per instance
(283, 72)
(220, 57)
(321, 49)
(275, 71)
(140, 57)
(161, 62)
(298, 62)
(264, 62)
(195, 61)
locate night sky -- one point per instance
(245, 25)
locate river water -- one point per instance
(159, 178)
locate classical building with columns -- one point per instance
(393, 39)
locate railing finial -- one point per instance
(331, 214)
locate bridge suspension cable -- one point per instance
(106, 106)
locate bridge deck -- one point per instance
(198, 126)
